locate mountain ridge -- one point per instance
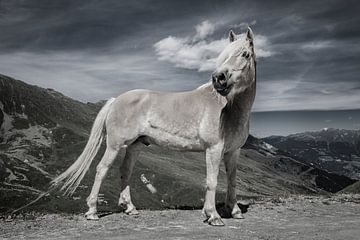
(333, 150)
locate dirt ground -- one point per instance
(300, 217)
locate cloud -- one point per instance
(316, 45)
(87, 76)
(204, 29)
(199, 53)
(299, 94)
(184, 53)
(93, 50)
(93, 76)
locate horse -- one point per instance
(213, 118)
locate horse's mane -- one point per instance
(204, 85)
(214, 93)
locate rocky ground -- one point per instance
(296, 217)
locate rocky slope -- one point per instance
(42, 132)
(333, 150)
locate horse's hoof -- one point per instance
(216, 221)
(92, 216)
(238, 215)
(122, 203)
(132, 212)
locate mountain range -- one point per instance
(42, 132)
(333, 150)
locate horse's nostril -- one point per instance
(221, 77)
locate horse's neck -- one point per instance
(242, 102)
(235, 115)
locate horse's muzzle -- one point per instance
(223, 91)
(220, 84)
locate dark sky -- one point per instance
(308, 51)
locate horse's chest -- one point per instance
(235, 136)
(237, 140)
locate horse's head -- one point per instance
(235, 66)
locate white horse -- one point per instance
(213, 118)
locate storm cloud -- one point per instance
(308, 54)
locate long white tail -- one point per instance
(76, 172)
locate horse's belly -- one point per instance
(173, 140)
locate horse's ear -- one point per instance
(249, 35)
(232, 36)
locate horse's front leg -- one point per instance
(213, 159)
(230, 160)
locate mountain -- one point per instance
(333, 150)
(42, 132)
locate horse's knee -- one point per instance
(211, 185)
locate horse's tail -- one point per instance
(76, 172)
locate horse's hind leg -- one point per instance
(101, 170)
(132, 152)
